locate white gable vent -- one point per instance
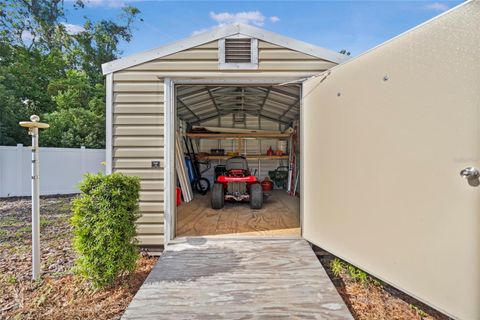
(238, 53)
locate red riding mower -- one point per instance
(237, 184)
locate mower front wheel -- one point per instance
(256, 196)
(217, 196)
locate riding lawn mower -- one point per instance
(237, 184)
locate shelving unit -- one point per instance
(249, 157)
(241, 137)
(238, 135)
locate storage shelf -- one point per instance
(237, 135)
(249, 157)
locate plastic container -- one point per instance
(217, 152)
(282, 145)
(189, 164)
(267, 185)
(270, 151)
(220, 170)
(179, 196)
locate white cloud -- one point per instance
(255, 18)
(73, 28)
(274, 19)
(437, 6)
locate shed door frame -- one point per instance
(169, 142)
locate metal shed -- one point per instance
(139, 91)
(384, 138)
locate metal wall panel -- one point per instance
(254, 146)
(137, 141)
(138, 114)
(386, 135)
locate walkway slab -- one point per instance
(214, 278)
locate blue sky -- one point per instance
(353, 25)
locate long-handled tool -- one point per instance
(202, 185)
(293, 164)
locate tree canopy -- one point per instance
(49, 68)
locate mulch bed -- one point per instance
(60, 294)
(375, 299)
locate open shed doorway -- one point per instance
(258, 122)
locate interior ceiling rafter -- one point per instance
(197, 104)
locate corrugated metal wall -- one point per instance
(202, 61)
(138, 133)
(138, 113)
(253, 146)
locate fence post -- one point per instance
(19, 170)
(82, 161)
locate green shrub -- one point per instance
(104, 227)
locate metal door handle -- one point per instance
(470, 173)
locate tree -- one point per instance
(24, 79)
(32, 24)
(99, 43)
(79, 119)
(37, 56)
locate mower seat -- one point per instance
(237, 163)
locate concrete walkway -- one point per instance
(214, 278)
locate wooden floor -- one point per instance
(280, 215)
(249, 278)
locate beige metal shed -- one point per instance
(384, 138)
(139, 88)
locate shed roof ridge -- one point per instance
(218, 33)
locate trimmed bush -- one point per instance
(104, 227)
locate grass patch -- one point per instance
(8, 222)
(24, 229)
(45, 222)
(419, 311)
(11, 279)
(355, 274)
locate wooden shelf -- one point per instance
(240, 146)
(250, 157)
(237, 135)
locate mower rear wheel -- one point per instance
(217, 196)
(256, 196)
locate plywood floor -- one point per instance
(279, 216)
(253, 278)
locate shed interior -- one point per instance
(258, 122)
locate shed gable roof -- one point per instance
(218, 33)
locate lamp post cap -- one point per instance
(34, 123)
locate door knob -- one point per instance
(470, 173)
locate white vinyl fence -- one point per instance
(60, 169)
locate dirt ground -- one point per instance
(371, 299)
(60, 294)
